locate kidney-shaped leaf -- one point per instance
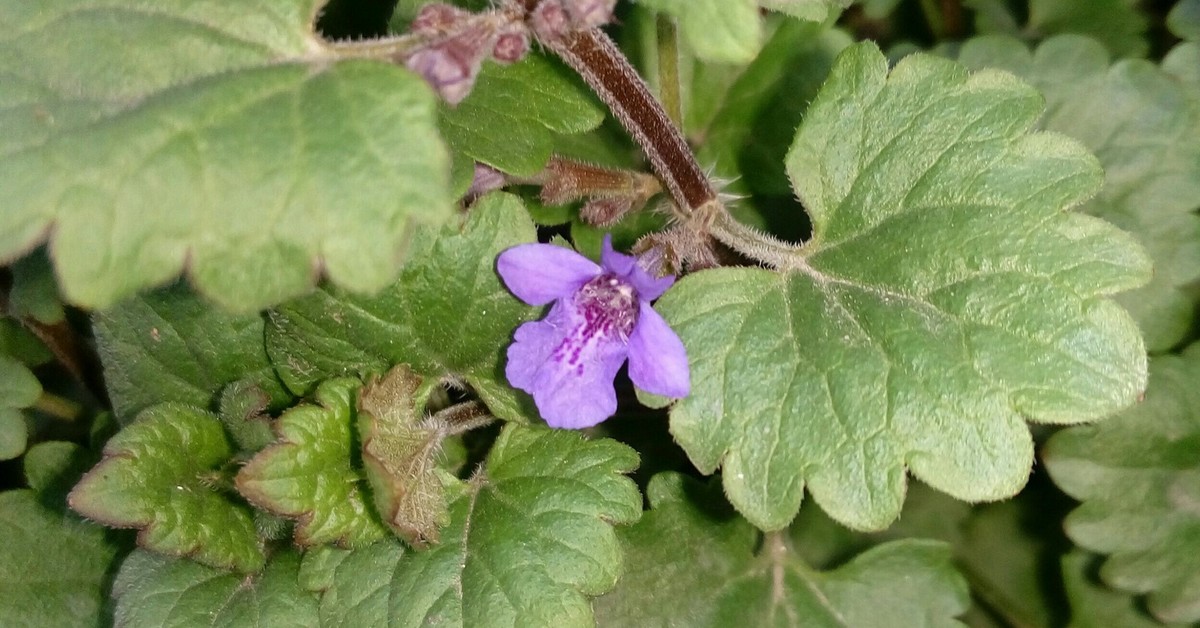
(222, 136)
(1138, 476)
(945, 297)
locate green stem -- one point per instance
(668, 68)
(933, 17)
(58, 407)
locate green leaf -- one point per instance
(18, 389)
(1138, 477)
(34, 290)
(749, 137)
(1145, 129)
(693, 562)
(156, 592)
(225, 140)
(1117, 24)
(720, 31)
(530, 539)
(308, 475)
(1095, 606)
(812, 10)
(170, 345)
(163, 474)
(945, 297)
(53, 567)
(53, 467)
(448, 314)
(1183, 63)
(243, 410)
(1184, 20)
(400, 451)
(731, 31)
(18, 343)
(514, 113)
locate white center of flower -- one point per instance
(609, 306)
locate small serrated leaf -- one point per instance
(54, 568)
(1138, 476)
(530, 539)
(745, 582)
(448, 314)
(153, 591)
(243, 408)
(400, 454)
(308, 474)
(945, 297)
(161, 474)
(170, 345)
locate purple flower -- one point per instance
(601, 315)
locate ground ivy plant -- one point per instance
(585, 312)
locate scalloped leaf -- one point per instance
(19, 389)
(1118, 24)
(1145, 130)
(308, 474)
(741, 583)
(156, 592)
(448, 314)
(170, 345)
(1184, 20)
(945, 297)
(514, 113)
(530, 539)
(162, 475)
(1094, 605)
(54, 568)
(1138, 476)
(220, 138)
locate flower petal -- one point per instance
(616, 263)
(658, 362)
(567, 367)
(627, 268)
(541, 273)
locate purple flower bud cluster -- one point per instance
(460, 41)
(552, 19)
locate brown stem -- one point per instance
(596, 58)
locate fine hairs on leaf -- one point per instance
(599, 313)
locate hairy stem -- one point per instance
(463, 417)
(393, 49)
(596, 58)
